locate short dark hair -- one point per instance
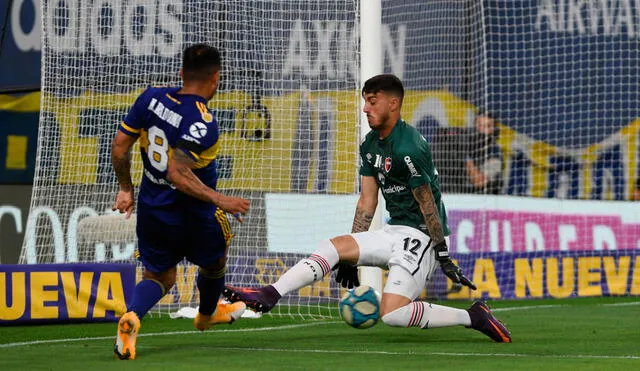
(200, 62)
(387, 83)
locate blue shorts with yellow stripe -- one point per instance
(201, 240)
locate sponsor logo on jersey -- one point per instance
(190, 139)
(381, 178)
(159, 181)
(411, 167)
(198, 130)
(394, 189)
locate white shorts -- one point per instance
(399, 246)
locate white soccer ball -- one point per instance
(360, 307)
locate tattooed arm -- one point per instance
(429, 208)
(121, 159)
(367, 204)
(121, 162)
(179, 173)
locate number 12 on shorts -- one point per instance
(412, 245)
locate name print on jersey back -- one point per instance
(164, 113)
(166, 121)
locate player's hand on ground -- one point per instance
(454, 273)
(125, 201)
(347, 275)
(236, 206)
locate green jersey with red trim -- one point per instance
(399, 163)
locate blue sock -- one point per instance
(210, 285)
(146, 294)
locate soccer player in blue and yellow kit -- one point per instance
(179, 213)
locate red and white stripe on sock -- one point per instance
(417, 312)
(324, 264)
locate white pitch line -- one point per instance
(553, 306)
(324, 351)
(625, 304)
(286, 327)
(70, 340)
(462, 354)
(550, 306)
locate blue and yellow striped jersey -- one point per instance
(166, 122)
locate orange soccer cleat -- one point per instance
(225, 313)
(128, 327)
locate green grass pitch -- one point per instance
(572, 334)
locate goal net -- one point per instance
(531, 109)
(288, 116)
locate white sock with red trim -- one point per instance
(309, 270)
(426, 315)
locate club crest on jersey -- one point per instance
(387, 164)
(198, 130)
(204, 112)
(207, 116)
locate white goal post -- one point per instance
(371, 64)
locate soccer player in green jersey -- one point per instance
(396, 159)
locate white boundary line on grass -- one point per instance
(381, 352)
(548, 306)
(552, 306)
(286, 327)
(625, 304)
(70, 340)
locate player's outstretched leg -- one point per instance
(128, 327)
(303, 273)
(483, 320)
(225, 313)
(259, 300)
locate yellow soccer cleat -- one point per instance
(225, 313)
(128, 328)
